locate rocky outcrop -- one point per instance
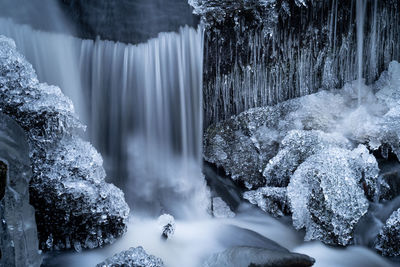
(258, 53)
(388, 240)
(133, 257)
(75, 207)
(274, 148)
(19, 244)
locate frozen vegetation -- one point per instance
(311, 156)
(75, 207)
(19, 244)
(133, 257)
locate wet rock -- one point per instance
(133, 257)
(19, 244)
(253, 256)
(75, 207)
(167, 225)
(327, 193)
(272, 200)
(388, 240)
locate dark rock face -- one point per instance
(388, 241)
(126, 20)
(19, 244)
(118, 20)
(133, 257)
(75, 207)
(264, 52)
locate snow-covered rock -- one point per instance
(19, 244)
(270, 199)
(75, 207)
(388, 241)
(327, 193)
(133, 257)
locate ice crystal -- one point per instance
(133, 257)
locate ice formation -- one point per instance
(294, 149)
(388, 241)
(327, 196)
(262, 52)
(270, 199)
(74, 206)
(19, 244)
(265, 147)
(133, 257)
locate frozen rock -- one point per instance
(220, 209)
(327, 193)
(388, 241)
(167, 225)
(270, 199)
(75, 207)
(252, 256)
(19, 244)
(133, 257)
(295, 148)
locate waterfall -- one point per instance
(143, 107)
(146, 114)
(360, 44)
(54, 57)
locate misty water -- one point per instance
(143, 106)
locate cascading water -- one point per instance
(54, 57)
(360, 44)
(146, 103)
(143, 105)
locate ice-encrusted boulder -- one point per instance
(133, 257)
(270, 199)
(75, 207)
(327, 193)
(19, 244)
(388, 241)
(294, 149)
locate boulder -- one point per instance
(388, 240)
(75, 207)
(133, 257)
(257, 257)
(270, 199)
(327, 193)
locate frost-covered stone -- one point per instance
(220, 209)
(388, 241)
(167, 225)
(295, 148)
(74, 206)
(19, 244)
(327, 194)
(270, 199)
(133, 257)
